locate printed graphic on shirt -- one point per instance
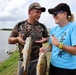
(61, 52)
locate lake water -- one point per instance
(4, 46)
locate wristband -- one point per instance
(60, 45)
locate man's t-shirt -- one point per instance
(36, 32)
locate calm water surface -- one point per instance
(4, 46)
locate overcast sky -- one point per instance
(13, 11)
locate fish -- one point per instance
(42, 65)
(26, 53)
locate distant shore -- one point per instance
(5, 29)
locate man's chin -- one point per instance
(36, 20)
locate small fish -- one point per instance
(26, 53)
(42, 65)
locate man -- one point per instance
(30, 27)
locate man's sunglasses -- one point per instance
(56, 12)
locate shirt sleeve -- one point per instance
(45, 32)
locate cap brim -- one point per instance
(41, 8)
(52, 10)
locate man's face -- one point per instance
(35, 14)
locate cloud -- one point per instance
(17, 10)
(14, 10)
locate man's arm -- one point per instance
(43, 40)
(14, 40)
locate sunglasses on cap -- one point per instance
(56, 12)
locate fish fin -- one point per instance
(22, 51)
(36, 66)
(22, 65)
(47, 69)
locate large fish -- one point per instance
(42, 65)
(26, 53)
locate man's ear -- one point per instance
(29, 11)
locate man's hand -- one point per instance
(20, 39)
(42, 40)
(42, 50)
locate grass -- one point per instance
(9, 67)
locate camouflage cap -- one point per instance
(37, 6)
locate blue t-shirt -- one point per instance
(66, 35)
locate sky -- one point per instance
(14, 11)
